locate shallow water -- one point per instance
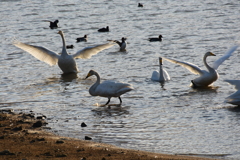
(175, 119)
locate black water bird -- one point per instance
(140, 5)
(82, 39)
(121, 44)
(53, 25)
(104, 29)
(70, 46)
(156, 39)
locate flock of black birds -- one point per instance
(122, 44)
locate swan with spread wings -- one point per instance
(65, 61)
(206, 77)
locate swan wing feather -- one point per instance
(218, 62)
(88, 52)
(191, 67)
(39, 52)
(112, 88)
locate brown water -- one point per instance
(175, 120)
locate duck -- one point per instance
(65, 61)
(121, 44)
(82, 39)
(104, 29)
(140, 5)
(70, 46)
(53, 25)
(206, 78)
(235, 97)
(156, 39)
(108, 88)
(161, 75)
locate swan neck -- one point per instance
(94, 86)
(64, 50)
(161, 77)
(205, 63)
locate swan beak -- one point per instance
(88, 75)
(212, 54)
(160, 60)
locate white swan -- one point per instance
(206, 77)
(65, 61)
(108, 88)
(235, 97)
(161, 75)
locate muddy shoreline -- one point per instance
(24, 136)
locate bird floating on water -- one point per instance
(70, 46)
(140, 5)
(206, 77)
(82, 39)
(155, 39)
(121, 44)
(104, 29)
(53, 25)
(161, 75)
(108, 88)
(65, 61)
(235, 97)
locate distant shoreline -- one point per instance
(23, 137)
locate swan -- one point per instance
(82, 39)
(108, 88)
(235, 97)
(53, 25)
(104, 29)
(161, 75)
(65, 61)
(206, 77)
(122, 44)
(155, 39)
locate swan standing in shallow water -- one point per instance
(235, 97)
(206, 77)
(161, 75)
(65, 61)
(108, 88)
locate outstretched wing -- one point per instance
(88, 52)
(191, 67)
(39, 52)
(218, 62)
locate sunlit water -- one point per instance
(174, 120)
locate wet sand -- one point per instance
(24, 136)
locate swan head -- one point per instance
(60, 32)
(160, 36)
(160, 60)
(209, 54)
(90, 73)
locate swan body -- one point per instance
(121, 44)
(104, 29)
(235, 97)
(108, 88)
(155, 39)
(65, 61)
(161, 75)
(206, 77)
(82, 39)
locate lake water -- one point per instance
(176, 119)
